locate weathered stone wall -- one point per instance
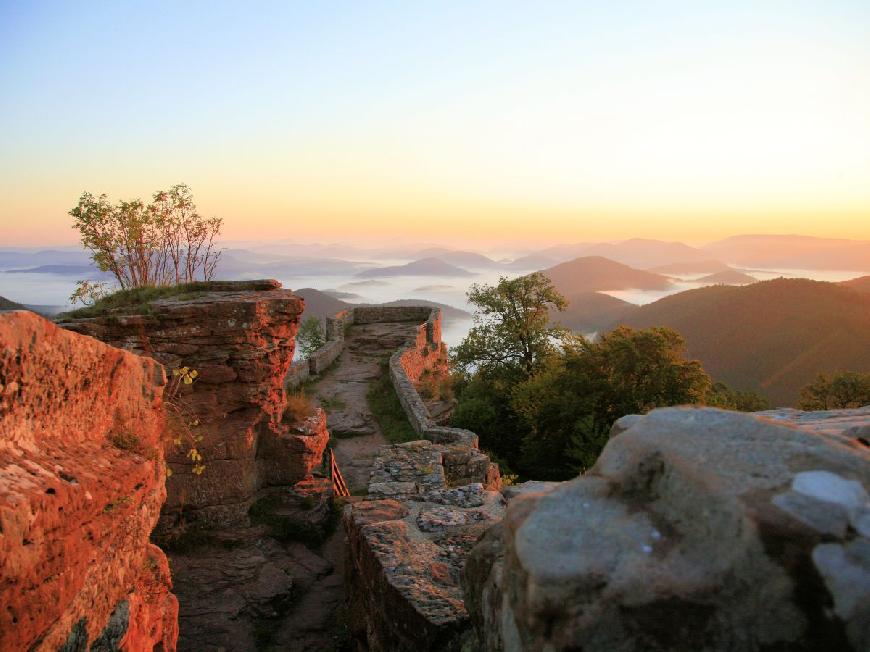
(81, 486)
(428, 504)
(239, 337)
(429, 501)
(321, 359)
(697, 529)
(299, 372)
(426, 352)
(376, 314)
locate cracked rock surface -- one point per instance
(697, 529)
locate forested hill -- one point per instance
(773, 336)
(591, 273)
(6, 304)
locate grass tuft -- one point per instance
(387, 410)
(136, 300)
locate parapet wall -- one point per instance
(425, 352)
(407, 365)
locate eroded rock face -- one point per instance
(697, 529)
(240, 338)
(81, 486)
(408, 546)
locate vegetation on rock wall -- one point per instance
(135, 300)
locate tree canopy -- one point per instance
(543, 400)
(847, 389)
(511, 333)
(310, 336)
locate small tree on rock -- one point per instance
(165, 242)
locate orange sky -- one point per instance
(562, 123)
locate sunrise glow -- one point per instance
(498, 120)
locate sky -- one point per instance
(442, 122)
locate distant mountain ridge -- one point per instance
(422, 267)
(593, 273)
(6, 304)
(792, 252)
(771, 336)
(592, 312)
(727, 277)
(862, 283)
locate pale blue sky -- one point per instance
(309, 116)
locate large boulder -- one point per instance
(697, 529)
(82, 480)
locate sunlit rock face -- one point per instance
(239, 337)
(697, 529)
(82, 481)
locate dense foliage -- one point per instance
(511, 333)
(545, 411)
(846, 389)
(310, 336)
(772, 336)
(164, 242)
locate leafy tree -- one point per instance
(310, 336)
(847, 389)
(742, 400)
(511, 332)
(165, 242)
(567, 409)
(510, 340)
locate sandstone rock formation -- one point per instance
(81, 485)
(407, 546)
(239, 337)
(697, 529)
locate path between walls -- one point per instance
(248, 591)
(342, 390)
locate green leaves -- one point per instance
(846, 389)
(310, 336)
(511, 332)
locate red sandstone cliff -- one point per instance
(81, 486)
(239, 337)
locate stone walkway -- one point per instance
(342, 390)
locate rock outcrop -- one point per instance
(407, 545)
(239, 337)
(81, 486)
(697, 529)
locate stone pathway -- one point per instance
(342, 393)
